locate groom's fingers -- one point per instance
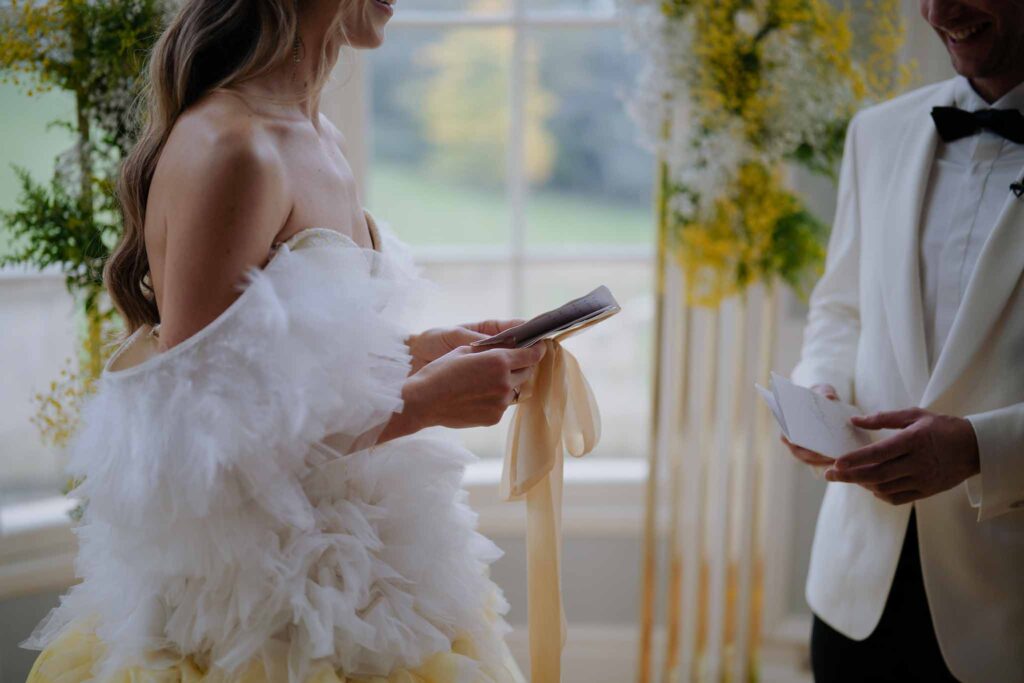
(891, 470)
(885, 450)
(895, 419)
(804, 455)
(900, 498)
(895, 486)
(826, 390)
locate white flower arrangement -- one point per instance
(728, 93)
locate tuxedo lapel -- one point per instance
(994, 279)
(900, 258)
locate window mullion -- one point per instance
(516, 152)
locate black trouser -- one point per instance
(902, 648)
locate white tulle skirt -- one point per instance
(237, 527)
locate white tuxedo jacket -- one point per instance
(865, 335)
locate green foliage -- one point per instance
(467, 112)
(95, 50)
(822, 157)
(767, 83)
(52, 228)
(796, 235)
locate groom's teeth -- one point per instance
(964, 33)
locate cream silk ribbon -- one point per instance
(557, 409)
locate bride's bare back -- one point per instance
(231, 181)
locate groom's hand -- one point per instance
(428, 346)
(930, 454)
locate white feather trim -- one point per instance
(222, 518)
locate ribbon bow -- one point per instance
(557, 411)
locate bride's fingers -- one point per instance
(461, 336)
(521, 377)
(492, 327)
(527, 357)
(521, 384)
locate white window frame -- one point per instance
(348, 105)
(603, 497)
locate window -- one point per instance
(500, 149)
(36, 306)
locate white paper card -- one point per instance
(769, 398)
(812, 421)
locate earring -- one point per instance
(298, 49)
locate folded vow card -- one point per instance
(574, 315)
(812, 421)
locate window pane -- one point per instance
(465, 292)
(615, 355)
(35, 312)
(26, 140)
(469, 6)
(590, 179)
(595, 6)
(440, 116)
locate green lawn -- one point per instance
(423, 209)
(426, 210)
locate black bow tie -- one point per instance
(953, 123)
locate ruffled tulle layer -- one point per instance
(230, 505)
(72, 658)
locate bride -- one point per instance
(262, 504)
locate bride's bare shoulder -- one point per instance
(219, 161)
(219, 133)
(219, 197)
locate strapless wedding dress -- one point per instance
(241, 527)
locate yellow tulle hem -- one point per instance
(70, 659)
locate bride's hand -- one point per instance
(428, 346)
(463, 388)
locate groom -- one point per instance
(917, 568)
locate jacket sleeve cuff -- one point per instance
(999, 487)
(974, 490)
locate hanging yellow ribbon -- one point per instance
(557, 410)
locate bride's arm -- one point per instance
(463, 388)
(228, 199)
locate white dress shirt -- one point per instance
(969, 184)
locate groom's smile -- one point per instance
(984, 38)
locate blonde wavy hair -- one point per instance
(208, 44)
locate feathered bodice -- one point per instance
(235, 503)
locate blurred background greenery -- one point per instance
(440, 114)
(440, 108)
(27, 140)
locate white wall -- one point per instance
(36, 338)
